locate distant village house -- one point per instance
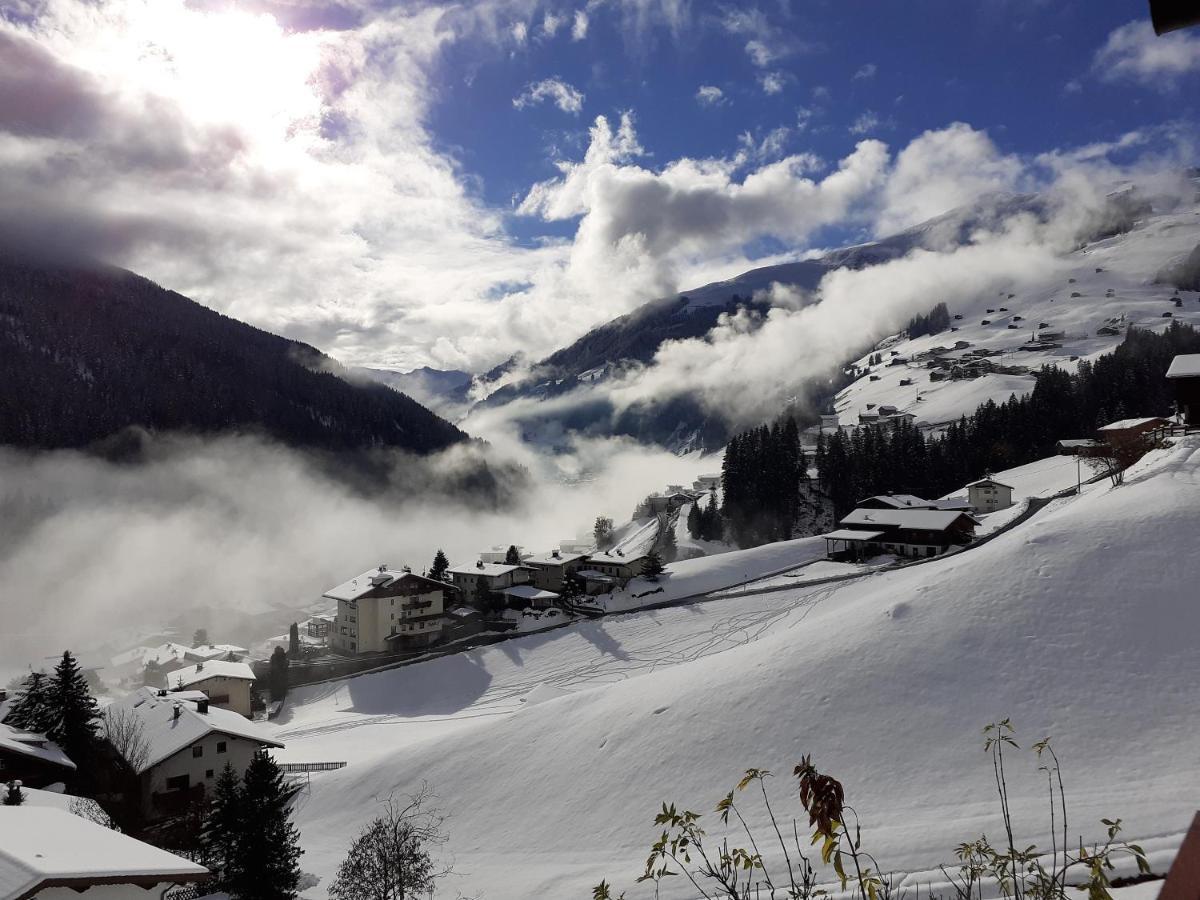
(385, 609)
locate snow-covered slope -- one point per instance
(1111, 280)
(1080, 623)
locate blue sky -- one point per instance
(449, 184)
(1022, 71)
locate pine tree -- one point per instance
(223, 829)
(653, 567)
(512, 557)
(277, 677)
(200, 637)
(266, 859)
(693, 520)
(75, 724)
(31, 709)
(294, 641)
(670, 547)
(440, 565)
(13, 795)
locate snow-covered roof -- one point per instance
(374, 579)
(549, 559)
(1122, 424)
(462, 612)
(1186, 365)
(1078, 442)
(213, 668)
(851, 534)
(927, 519)
(32, 744)
(42, 847)
(206, 652)
(903, 501)
(230, 648)
(491, 570)
(167, 735)
(992, 481)
(529, 592)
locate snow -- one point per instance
(1122, 424)
(32, 744)
(40, 843)
(166, 735)
(1041, 478)
(926, 519)
(213, 668)
(529, 592)
(1130, 264)
(1186, 365)
(850, 534)
(1079, 623)
(489, 570)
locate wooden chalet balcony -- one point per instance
(412, 605)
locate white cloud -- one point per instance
(866, 122)
(773, 82)
(710, 95)
(519, 32)
(804, 116)
(940, 170)
(551, 23)
(565, 97)
(579, 26)
(760, 54)
(865, 72)
(1134, 53)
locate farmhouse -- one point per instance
(483, 581)
(523, 596)
(188, 742)
(225, 684)
(31, 758)
(52, 854)
(385, 609)
(617, 566)
(1129, 429)
(988, 495)
(1184, 373)
(550, 571)
(904, 532)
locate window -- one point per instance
(208, 773)
(222, 747)
(177, 783)
(197, 752)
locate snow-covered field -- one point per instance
(1080, 623)
(1126, 265)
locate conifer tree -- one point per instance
(222, 830)
(75, 716)
(265, 863)
(512, 557)
(294, 640)
(653, 567)
(277, 677)
(13, 795)
(440, 565)
(31, 709)
(670, 549)
(694, 520)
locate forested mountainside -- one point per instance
(88, 350)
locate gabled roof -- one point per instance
(33, 745)
(384, 581)
(167, 735)
(991, 481)
(1186, 365)
(42, 847)
(852, 534)
(902, 501)
(491, 570)
(549, 559)
(925, 519)
(1123, 424)
(529, 592)
(213, 668)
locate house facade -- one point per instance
(988, 495)
(1184, 375)
(915, 533)
(385, 609)
(615, 566)
(488, 580)
(226, 684)
(550, 571)
(188, 744)
(31, 758)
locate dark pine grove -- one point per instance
(761, 484)
(88, 350)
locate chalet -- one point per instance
(896, 501)
(1184, 374)
(320, 625)
(904, 532)
(226, 684)
(31, 758)
(188, 742)
(550, 571)
(617, 565)
(1130, 429)
(51, 854)
(712, 482)
(523, 596)
(384, 609)
(988, 495)
(483, 581)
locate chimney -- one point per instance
(176, 712)
(479, 565)
(202, 705)
(200, 666)
(162, 692)
(555, 554)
